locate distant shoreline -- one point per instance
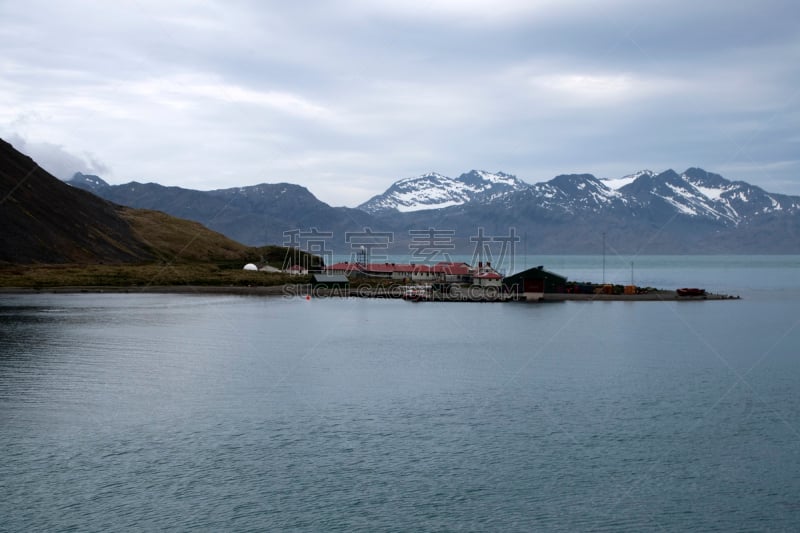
(305, 290)
(275, 290)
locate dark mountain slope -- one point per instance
(45, 220)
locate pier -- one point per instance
(496, 294)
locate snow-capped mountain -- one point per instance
(737, 197)
(695, 194)
(666, 212)
(435, 191)
(573, 193)
(703, 195)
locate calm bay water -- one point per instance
(145, 411)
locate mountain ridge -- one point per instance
(645, 212)
(253, 215)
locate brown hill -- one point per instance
(44, 220)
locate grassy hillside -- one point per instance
(138, 276)
(56, 235)
(185, 252)
(172, 239)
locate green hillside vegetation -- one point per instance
(175, 240)
(55, 235)
(138, 276)
(187, 254)
(172, 239)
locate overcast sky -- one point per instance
(345, 97)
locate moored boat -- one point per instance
(417, 293)
(693, 291)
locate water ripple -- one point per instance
(154, 412)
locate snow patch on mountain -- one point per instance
(436, 191)
(684, 200)
(88, 182)
(617, 183)
(710, 193)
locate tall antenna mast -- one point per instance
(604, 258)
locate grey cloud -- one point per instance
(57, 160)
(365, 92)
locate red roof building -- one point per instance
(297, 270)
(487, 279)
(444, 271)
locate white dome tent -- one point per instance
(250, 266)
